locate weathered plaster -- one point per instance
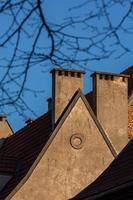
(63, 88)
(111, 103)
(130, 121)
(63, 170)
(5, 129)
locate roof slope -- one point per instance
(21, 149)
(118, 173)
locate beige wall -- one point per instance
(112, 107)
(5, 129)
(64, 88)
(130, 121)
(64, 170)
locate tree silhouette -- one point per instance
(94, 30)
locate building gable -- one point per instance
(77, 149)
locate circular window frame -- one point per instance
(73, 139)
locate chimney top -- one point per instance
(112, 74)
(65, 72)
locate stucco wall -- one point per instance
(5, 129)
(130, 121)
(64, 170)
(64, 88)
(112, 107)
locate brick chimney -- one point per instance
(111, 105)
(65, 82)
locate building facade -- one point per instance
(59, 154)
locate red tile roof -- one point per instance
(118, 173)
(21, 149)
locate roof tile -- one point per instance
(21, 149)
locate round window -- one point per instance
(77, 141)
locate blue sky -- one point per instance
(56, 11)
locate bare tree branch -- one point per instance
(92, 31)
